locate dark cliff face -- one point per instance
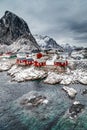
(13, 27)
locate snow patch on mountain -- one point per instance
(23, 45)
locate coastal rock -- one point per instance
(83, 80)
(52, 78)
(5, 65)
(75, 109)
(74, 76)
(70, 91)
(84, 92)
(66, 80)
(14, 69)
(34, 101)
(24, 74)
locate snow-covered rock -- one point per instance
(70, 91)
(5, 65)
(34, 102)
(66, 80)
(24, 74)
(14, 69)
(83, 80)
(75, 109)
(52, 78)
(71, 77)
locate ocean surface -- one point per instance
(51, 116)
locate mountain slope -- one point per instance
(23, 45)
(47, 42)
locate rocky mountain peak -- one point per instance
(12, 28)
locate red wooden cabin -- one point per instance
(39, 63)
(29, 61)
(21, 61)
(61, 63)
(24, 61)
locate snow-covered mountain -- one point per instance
(45, 42)
(68, 47)
(13, 31)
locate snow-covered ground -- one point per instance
(78, 54)
(76, 72)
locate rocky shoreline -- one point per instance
(27, 73)
(70, 76)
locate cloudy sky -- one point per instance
(64, 20)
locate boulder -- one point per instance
(83, 79)
(84, 92)
(70, 91)
(34, 102)
(66, 80)
(75, 109)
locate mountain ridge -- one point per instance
(46, 42)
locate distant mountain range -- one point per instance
(68, 47)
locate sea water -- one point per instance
(51, 116)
